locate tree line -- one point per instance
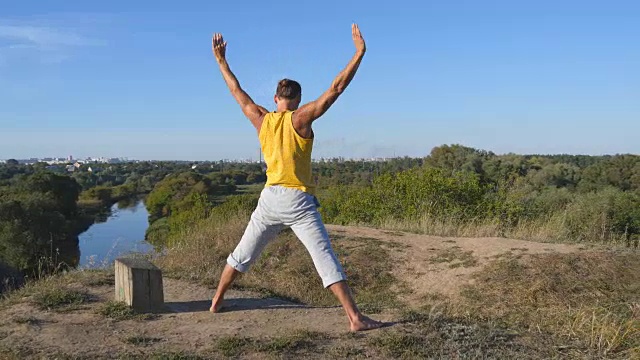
(541, 197)
(565, 197)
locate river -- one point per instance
(122, 232)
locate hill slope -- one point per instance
(430, 275)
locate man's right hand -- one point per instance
(219, 47)
(358, 40)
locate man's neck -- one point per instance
(282, 107)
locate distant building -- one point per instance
(71, 168)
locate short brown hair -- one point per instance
(288, 89)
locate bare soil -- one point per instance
(426, 266)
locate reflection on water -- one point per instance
(120, 233)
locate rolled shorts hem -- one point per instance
(333, 279)
(236, 265)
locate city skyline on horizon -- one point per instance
(315, 158)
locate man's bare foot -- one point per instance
(363, 323)
(216, 305)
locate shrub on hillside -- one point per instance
(426, 199)
(409, 195)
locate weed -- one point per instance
(141, 340)
(303, 340)
(342, 352)
(54, 298)
(119, 311)
(233, 345)
(398, 345)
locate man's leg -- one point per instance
(313, 234)
(256, 236)
(357, 321)
(228, 275)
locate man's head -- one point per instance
(288, 95)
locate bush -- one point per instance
(438, 202)
(607, 215)
(409, 195)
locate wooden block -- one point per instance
(139, 284)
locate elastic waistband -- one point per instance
(283, 189)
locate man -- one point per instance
(288, 199)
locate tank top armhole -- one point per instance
(296, 131)
(264, 120)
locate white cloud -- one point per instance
(42, 43)
(42, 37)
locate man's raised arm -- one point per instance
(313, 110)
(254, 112)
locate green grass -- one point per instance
(398, 345)
(234, 345)
(58, 298)
(119, 311)
(250, 189)
(300, 342)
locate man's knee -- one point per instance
(242, 265)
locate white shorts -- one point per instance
(281, 207)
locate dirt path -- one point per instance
(428, 265)
(432, 265)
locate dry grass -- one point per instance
(447, 227)
(551, 228)
(56, 298)
(141, 340)
(455, 257)
(119, 311)
(593, 297)
(298, 343)
(285, 268)
(64, 291)
(433, 334)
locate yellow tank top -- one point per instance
(287, 154)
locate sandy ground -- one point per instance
(417, 258)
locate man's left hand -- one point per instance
(219, 47)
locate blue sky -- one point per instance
(138, 79)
